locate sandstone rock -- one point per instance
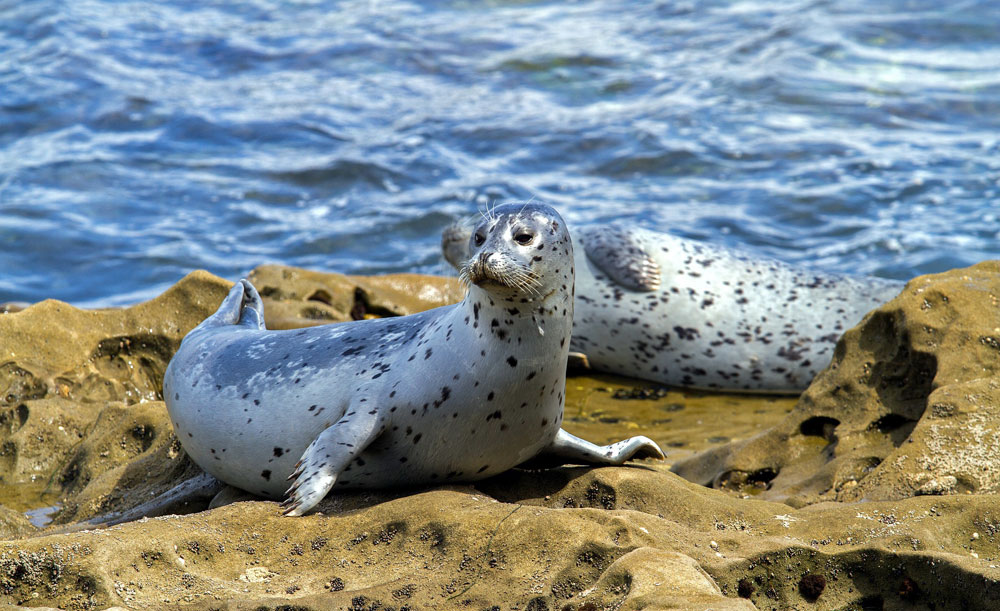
(296, 297)
(81, 411)
(910, 405)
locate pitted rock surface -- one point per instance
(571, 538)
(910, 405)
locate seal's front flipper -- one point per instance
(327, 456)
(573, 450)
(616, 252)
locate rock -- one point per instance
(909, 405)
(9, 307)
(81, 410)
(629, 538)
(296, 297)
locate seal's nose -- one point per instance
(481, 266)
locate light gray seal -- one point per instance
(453, 394)
(683, 313)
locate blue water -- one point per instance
(141, 140)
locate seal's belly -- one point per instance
(258, 450)
(248, 425)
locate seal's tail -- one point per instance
(242, 306)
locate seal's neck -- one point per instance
(548, 316)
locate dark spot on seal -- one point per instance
(445, 393)
(266, 474)
(417, 437)
(512, 361)
(489, 397)
(278, 452)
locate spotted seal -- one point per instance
(457, 393)
(684, 313)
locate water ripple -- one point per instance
(141, 140)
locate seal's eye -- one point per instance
(523, 238)
(479, 239)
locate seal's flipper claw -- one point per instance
(573, 450)
(327, 456)
(635, 448)
(624, 258)
(577, 361)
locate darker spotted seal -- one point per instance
(684, 313)
(457, 393)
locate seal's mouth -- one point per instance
(486, 271)
(479, 272)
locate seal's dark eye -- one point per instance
(523, 238)
(479, 239)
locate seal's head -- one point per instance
(520, 248)
(455, 241)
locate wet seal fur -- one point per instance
(454, 394)
(683, 313)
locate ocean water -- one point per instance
(141, 140)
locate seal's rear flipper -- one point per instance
(194, 493)
(229, 310)
(573, 450)
(242, 306)
(252, 312)
(327, 456)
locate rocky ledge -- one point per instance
(875, 490)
